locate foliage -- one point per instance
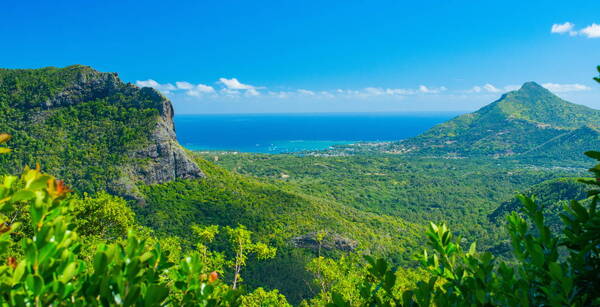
(469, 278)
(275, 214)
(243, 246)
(103, 215)
(262, 298)
(460, 192)
(52, 272)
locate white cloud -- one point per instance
(563, 88)
(399, 91)
(591, 31)
(252, 92)
(426, 90)
(281, 94)
(190, 89)
(326, 94)
(509, 88)
(197, 90)
(373, 91)
(306, 92)
(490, 88)
(562, 28)
(380, 91)
(147, 83)
(234, 84)
(165, 88)
(204, 88)
(184, 85)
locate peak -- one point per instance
(532, 86)
(533, 89)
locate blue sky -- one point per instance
(316, 56)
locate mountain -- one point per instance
(529, 121)
(91, 129)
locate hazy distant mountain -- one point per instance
(530, 121)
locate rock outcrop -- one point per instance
(89, 85)
(168, 160)
(330, 241)
(162, 158)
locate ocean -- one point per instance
(286, 133)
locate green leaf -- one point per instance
(390, 281)
(69, 272)
(100, 262)
(23, 195)
(556, 271)
(18, 273)
(156, 294)
(579, 210)
(35, 283)
(40, 183)
(480, 295)
(473, 248)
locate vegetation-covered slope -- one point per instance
(552, 195)
(90, 128)
(277, 214)
(461, 192)
(519, 122)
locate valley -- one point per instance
(320, 210)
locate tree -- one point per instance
(102, 215)
(242, 245)
(212, 260)
(262, 298)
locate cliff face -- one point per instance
(118, 133)
(168, 160)
(165, 159)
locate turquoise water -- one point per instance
(285, 133)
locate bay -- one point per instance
(286, 133)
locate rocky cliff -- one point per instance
(126, 133)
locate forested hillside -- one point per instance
(461, 192)
(279, 215)
(520, 123)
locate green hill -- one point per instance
(521, 122)
(551, 194)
